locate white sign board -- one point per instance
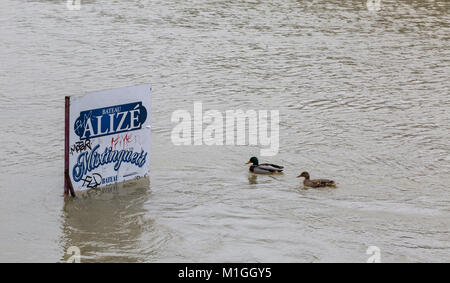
(108, 137)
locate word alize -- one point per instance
(110, 120)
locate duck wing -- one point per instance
(323, 182)
(270, 167)
(273, 165)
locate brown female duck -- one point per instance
(316, 183)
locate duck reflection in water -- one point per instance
(252, 179)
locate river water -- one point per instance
(363, 97)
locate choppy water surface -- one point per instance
(363, 98)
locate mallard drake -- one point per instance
(316, 183)
(265, 168)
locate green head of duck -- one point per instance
(253, 160)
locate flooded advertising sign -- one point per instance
(107, 138)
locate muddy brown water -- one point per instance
(363, 98)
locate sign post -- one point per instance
(107, 138)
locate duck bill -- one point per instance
(248, 162)
(299, 176)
